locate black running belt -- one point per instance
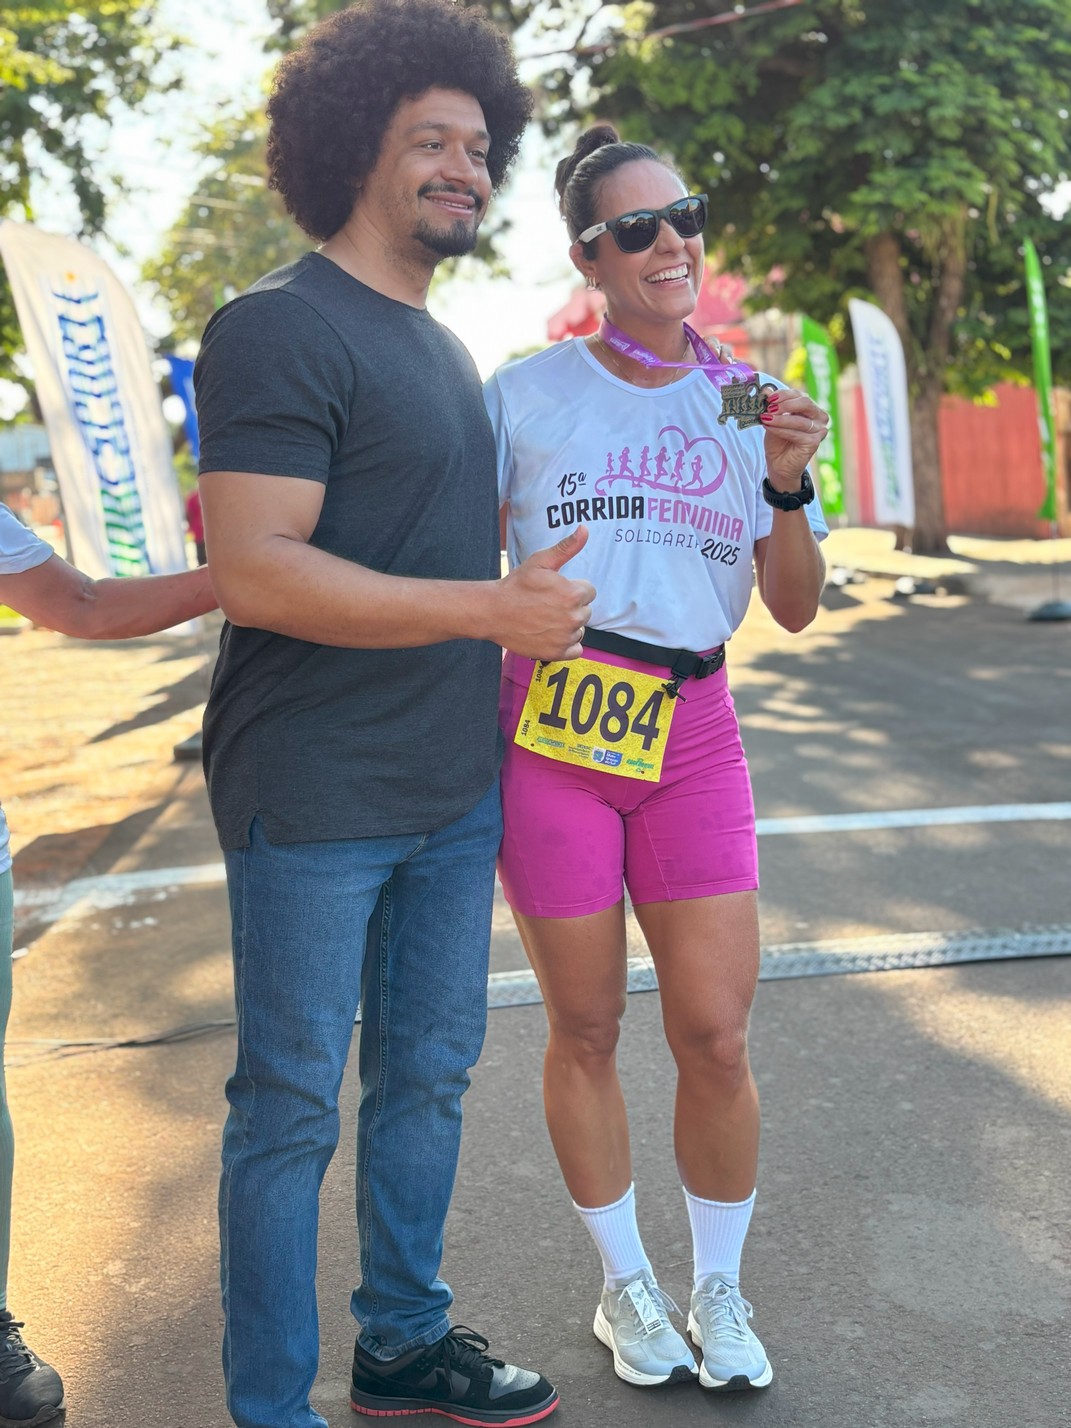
(681, 663)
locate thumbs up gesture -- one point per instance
(541, 613)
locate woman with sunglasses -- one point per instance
(626, 768)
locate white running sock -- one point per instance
(617, 1238)
(718, 1231)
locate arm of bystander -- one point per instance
(60, 597)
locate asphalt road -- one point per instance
(909, 1258)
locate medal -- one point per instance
(744, 401)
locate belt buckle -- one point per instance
(710, 664)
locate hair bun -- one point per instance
(594, 138)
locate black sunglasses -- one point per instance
(635, 231)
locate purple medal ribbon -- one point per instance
(720, 373)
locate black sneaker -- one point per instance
(455, 1377)
(31, 1392)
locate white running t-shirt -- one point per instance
(671, 498)
(20, 550)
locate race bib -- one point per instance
(598, 716)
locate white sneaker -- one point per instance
(633, 1323)
(733, 1357)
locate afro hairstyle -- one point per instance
(335, 95)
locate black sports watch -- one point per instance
(789, 500)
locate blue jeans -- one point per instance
(403, 924)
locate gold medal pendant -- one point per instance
(744, 401)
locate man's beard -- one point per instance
(452, 242)
(460, 237)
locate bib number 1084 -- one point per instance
(598, 716)
(591, 706)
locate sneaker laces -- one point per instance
(729, 1309)
(650, 1305)
(15, 1355)
(465, 1349)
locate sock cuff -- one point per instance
(720, 1204)
(606, 1209)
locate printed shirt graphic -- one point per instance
(671, 498)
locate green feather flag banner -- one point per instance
(823, 370)
(1039, 342)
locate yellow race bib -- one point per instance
(598, 716)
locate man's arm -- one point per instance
(60, 597)
(268, 577)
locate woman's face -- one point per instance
(661, 284)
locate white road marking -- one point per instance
(85, 895)
(916, 818)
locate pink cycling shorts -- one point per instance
(573, 837)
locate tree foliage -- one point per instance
(901, 148)
(231, 232)
(61, 66)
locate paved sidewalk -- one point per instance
(1020, 573)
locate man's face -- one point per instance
(430, 185)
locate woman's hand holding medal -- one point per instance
(795, 428)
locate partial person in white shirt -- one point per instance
(625, 769)
(37, 583)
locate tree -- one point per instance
(62, 65)
(231, 232)
(902, 149)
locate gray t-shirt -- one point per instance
(312, 374)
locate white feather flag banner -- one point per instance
(110, 445)
(883, 376)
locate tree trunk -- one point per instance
(950, 270)
(887, 283)
(931, 531)
(925, 368)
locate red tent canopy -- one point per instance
(718, 313)
(579, 317)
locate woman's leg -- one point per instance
(7, 1139)
(31, 1391)
(581, 966)
(706, 952)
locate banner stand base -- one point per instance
(189, 749)
(1052, 610)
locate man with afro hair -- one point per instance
(351, 744)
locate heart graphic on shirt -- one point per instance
(676, 482)
(688, 443)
